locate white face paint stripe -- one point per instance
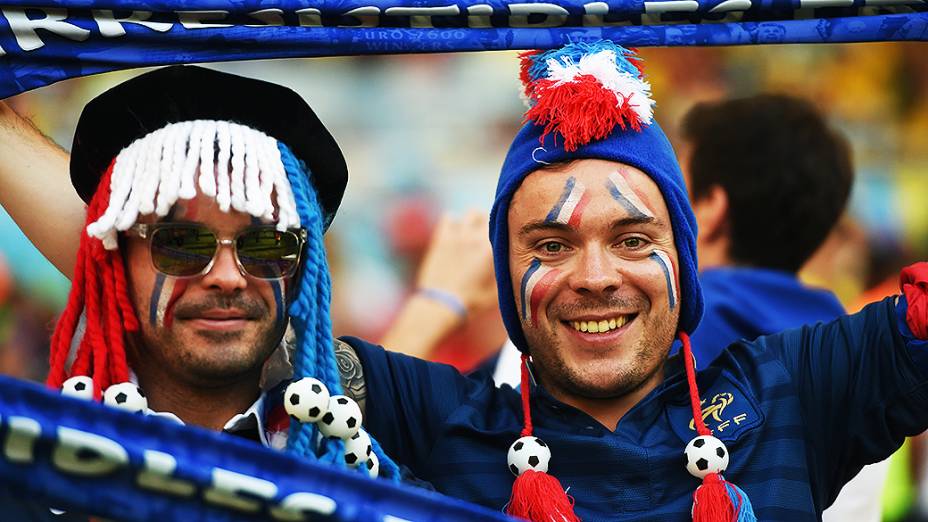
(536, 276)
(167, 290)
(625, 191)
(570, 204)
(661, 257)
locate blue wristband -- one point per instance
(446, 298)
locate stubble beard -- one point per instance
(211, 358)
(605, 379)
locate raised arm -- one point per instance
(36, 191)
(862, 381)
(455, 282)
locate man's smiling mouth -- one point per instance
(601, 325)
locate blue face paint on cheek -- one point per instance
(155, 299)
(532, 268)
(277, 287)
(663, 260)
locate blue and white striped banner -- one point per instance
(84, 457)
(44, 41)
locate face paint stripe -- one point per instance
(663, 260)
(577, 214)
(522, 291)
(556, 210)
(167, 290)
(641, 198)
(179, 287)
(533, 281)
(626, 197)
(155, 298)
(572, 202)
(539, 291)
(277, 287)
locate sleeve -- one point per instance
(408, 400)
(862, 388)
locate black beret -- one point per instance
(150, 101)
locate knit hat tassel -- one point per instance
(536, 495)
(539, 497)
(716, 500)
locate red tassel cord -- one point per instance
(537, 496)
(716, 500)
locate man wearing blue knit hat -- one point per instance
(594, 245)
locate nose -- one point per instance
(596, 272)
(225, 275)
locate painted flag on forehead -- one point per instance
(44, 41)
(86, 458)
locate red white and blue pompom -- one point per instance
(583, 91)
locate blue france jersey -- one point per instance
(801, 412)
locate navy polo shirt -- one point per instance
(801, 412)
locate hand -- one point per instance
(459, 261)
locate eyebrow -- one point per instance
(542, 225)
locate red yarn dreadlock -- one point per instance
(99, 291)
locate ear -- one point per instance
(711, 211)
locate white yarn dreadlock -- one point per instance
(239, 166)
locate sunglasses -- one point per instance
(189, 250)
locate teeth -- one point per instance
(600, 326)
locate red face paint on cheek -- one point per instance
(541, 291)
(179, 287)
(536, 283)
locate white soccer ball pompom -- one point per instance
(342, 420)
(126, 396)
(373, 465)
(528, 453)
(704, 455)
(79, 386)
(358, 448)
(306, 400)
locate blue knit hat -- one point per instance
(629, 137)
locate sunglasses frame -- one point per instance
(147, 232)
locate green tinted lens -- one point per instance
(268, 253)
(182, 250)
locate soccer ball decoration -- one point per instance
(704, 455)
(358, 449)
(343, 418)
(373, 465)
(79, 386)
(126, 396)
(528, 453)
(306, 400)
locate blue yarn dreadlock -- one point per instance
(309, 316)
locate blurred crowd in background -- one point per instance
(425, 136)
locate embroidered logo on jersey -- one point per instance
(715, 410)
(726, 410)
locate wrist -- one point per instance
(445, 298)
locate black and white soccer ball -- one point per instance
(528, 453)
(704, 455)
(343, 418)
(126, 396)
(306, 400)
(373, 465)
(358, 449)
(79, 386)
